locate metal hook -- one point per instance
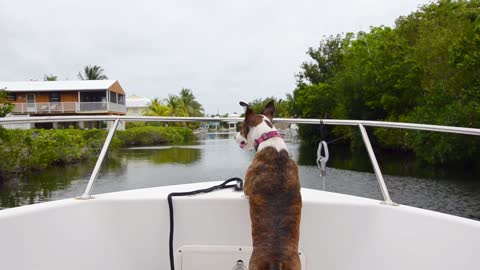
(239, 266)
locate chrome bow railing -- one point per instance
(359, 123)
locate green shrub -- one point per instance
(154, 135)
(23, 150)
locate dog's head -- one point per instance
(255, 125)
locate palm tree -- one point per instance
(157, 108)
(191, 104)
(283, 107)
(176, 105)
(92, 73)
(291, 107)
(50, 77)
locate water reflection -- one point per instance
(449, 189)
(217, 157)
(38, 188)
(44, 185)
(391, 163)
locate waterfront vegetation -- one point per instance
(34, 149)
(425, 69)
(153, 135)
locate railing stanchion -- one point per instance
(87, 194)
(376, 167)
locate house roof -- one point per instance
(135, 101)
(233, 115)
(40, 86)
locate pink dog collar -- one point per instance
(264, 137)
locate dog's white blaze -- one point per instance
(257, 131)
(239, 138)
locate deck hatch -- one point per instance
(196, 257)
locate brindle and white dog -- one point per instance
(273, 190)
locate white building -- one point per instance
(233, 125)
(137, 105)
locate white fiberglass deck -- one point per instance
(129, 230)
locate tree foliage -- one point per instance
(282, 108)
(50, 77)
(425, 69)
(157, 108)
(192, 106)
(6, 106)
(92, 73)
(184, 104)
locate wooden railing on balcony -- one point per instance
(67, 107)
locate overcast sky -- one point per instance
(225, 51)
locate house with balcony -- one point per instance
(50, 98)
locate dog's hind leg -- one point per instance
(267, 266)
(266, 263)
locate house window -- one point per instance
(11, 96)
(113, 97)
(121, 99)
(92, 96)
(54, 97)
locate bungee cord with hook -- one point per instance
(322, 160)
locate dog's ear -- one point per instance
(269, 110)
(249, 114)
(243, 104)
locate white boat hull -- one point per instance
(129, 230)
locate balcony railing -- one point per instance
(67, 107)
(116, 107)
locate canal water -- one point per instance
(217, 157)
